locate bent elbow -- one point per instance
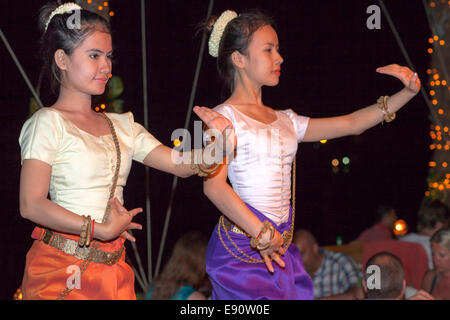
(24, 210)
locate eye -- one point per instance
(94, 56)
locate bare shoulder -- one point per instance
(428, 279)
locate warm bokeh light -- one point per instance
(400, 227)
(323, 141)
(335, 162)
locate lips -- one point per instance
(102, 80)
(277, 72)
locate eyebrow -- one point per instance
(97, 50)
(271, 44)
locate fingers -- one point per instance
(118, 205)
(281, 251)
(114, 201)
(275, 257)
(135, 211)
(212, 118)
(267, 262)
(128, 236)
(134, 225)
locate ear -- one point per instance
(61, 59)
(238, 59)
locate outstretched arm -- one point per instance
(359, 121)
(178, 163)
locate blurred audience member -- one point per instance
(335, 275)
(384, 279)
(384, 224)
(432, 217)
(184, 275)
(437, 281)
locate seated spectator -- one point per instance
(184, 275)
(335, 275)
(384, 224)
(432, 217)
(384, 279)
(437, 281)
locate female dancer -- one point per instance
(258, 218)
(83, 160)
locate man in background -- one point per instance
(335, 275)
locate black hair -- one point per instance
(392, 275)
(382, 211)
(237, 37)
(61, 34)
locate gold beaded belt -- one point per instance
(84, 253)
(229, 226)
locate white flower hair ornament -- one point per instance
(216, 34)
(62, 9)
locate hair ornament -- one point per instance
(219, 27)
(62, 9)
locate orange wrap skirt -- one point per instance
(48, 269)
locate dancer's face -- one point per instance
(88, 68)
(262, 63)
(441, 257)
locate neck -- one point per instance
(246, 92)
(74, 101)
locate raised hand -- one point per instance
(215, 120)
(409, 78)
(120, 220)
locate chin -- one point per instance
(97, 92)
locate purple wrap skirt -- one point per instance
(233, 279)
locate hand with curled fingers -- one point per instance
(274, 251)
(119, 221)
(409, 78)
(215, 121)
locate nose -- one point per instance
(279, 58)
(105, 66)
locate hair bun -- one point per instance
(209, 25)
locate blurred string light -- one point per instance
(439, 174)
(18, 295)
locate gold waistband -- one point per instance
(234, 228)
(84, 253)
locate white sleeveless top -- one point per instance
(260, 173)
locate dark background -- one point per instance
(330, 57)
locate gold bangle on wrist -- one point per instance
(382, 104)
(255, 242)
(86, 229)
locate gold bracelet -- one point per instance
(255, 242)
(382, 104)
(83, 234)
(88, 233)
(86, 230)
(198, 169)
